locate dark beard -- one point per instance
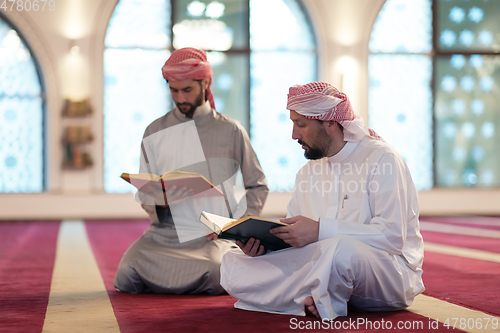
(320, 146)
(313, 154)
(190, 112)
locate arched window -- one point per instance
(21, 116)
(434, 74)
(257, 50)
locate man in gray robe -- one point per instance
(174, 256)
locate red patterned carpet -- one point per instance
(154, 313)
(28, 250)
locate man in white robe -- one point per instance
(353, 222)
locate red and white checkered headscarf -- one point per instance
(189, 63)
(322, 101)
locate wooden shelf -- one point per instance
(77, 135)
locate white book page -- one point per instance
(218, 220)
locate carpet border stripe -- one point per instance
(462, 252)
(456, 229)
(78, 300)
(441, 310)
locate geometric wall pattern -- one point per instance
(21, 117)
(466, 74)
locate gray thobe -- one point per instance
(173, 256)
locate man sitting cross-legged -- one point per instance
(352, 222)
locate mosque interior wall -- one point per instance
(342, 28)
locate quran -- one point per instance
(245, 228)
(194, 181)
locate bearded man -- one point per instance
(171, 257)
(352, 222)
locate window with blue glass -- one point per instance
(21, 116)
(434, 87)
(245, 40)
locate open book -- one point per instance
(245, 228)
(191, 180)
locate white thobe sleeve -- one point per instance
(389, 207)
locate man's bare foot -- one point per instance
(310, 307)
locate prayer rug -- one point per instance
(492, 223)
(469, 242)
(28, 250)
(463, 281)
(27, 253)
(200, 313)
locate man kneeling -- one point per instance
(353, 222)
